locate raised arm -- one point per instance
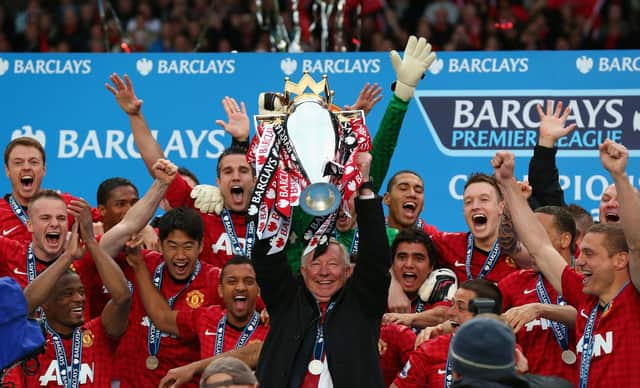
(156, 306)
(543, 172)
(114, 315)
(409, 69)
(519, 316)
(527, 226)
(371, 275)
(614, 158)
(125, 96)
(140, 214)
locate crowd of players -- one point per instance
(124, 303)
(226, 25)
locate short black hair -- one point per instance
(181, 218)
(562, 220)
(108, 185)
(186, 172)
(234, 149)
(485, 289)
(392, 181)
(235, 260)
(418, 236)
(480, 177)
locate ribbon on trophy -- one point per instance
(304, 156)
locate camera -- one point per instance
(483, 305)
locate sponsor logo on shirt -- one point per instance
(601, 344)
(527, 292)
(224, 244)
(53, 374)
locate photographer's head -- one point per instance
(483, 348)
(462, 308)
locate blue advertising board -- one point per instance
(468, 106)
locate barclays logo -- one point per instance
(437, 66)
(288, 66)
(4, 66)
(27, 131)
(144, 66)
(584, 64)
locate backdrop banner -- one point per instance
(467, 106)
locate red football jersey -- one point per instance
(536, 338)
(395, 344)
(453, 251)
(615, 359)
(427, 365)
(131, 370)
(98, 350)
(217, 247)
(203, 323)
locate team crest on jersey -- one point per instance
(195, 299)
(382, 347)
(510, 262)
(87, 338)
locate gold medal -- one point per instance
(568, 357)
(152, 362)
(315, 367)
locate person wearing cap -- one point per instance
(608, 304)
(427, 363)
(482, 354)
(228, 372)
(325, 326)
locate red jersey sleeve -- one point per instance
(572, 287)
(187, 322)
(179, 193)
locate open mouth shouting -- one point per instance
(612, 217)
(479, 221)
(27, 182)
(181, 269)
(237, 193)
(52, 238)
(409, 209)
(240, 302)
(409, 280)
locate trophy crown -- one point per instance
(307, 82)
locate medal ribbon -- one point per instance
(227, 222)
(248, 331)
(31, 264)
(448, 376)
(560, 331)
(61, 357)
(318, 348)
(491, 261)
(153, 334)
(587, 340)
(17, 209)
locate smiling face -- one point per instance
(48, 225)
(180, 252)
(239, 290)
(609, 207)
(595, 264)
(25, 169)
(411, 266)
(482, 212)
(65, 307)
(325, 274)
(235, 181)
(405, 200)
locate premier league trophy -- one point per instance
(304, 154)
